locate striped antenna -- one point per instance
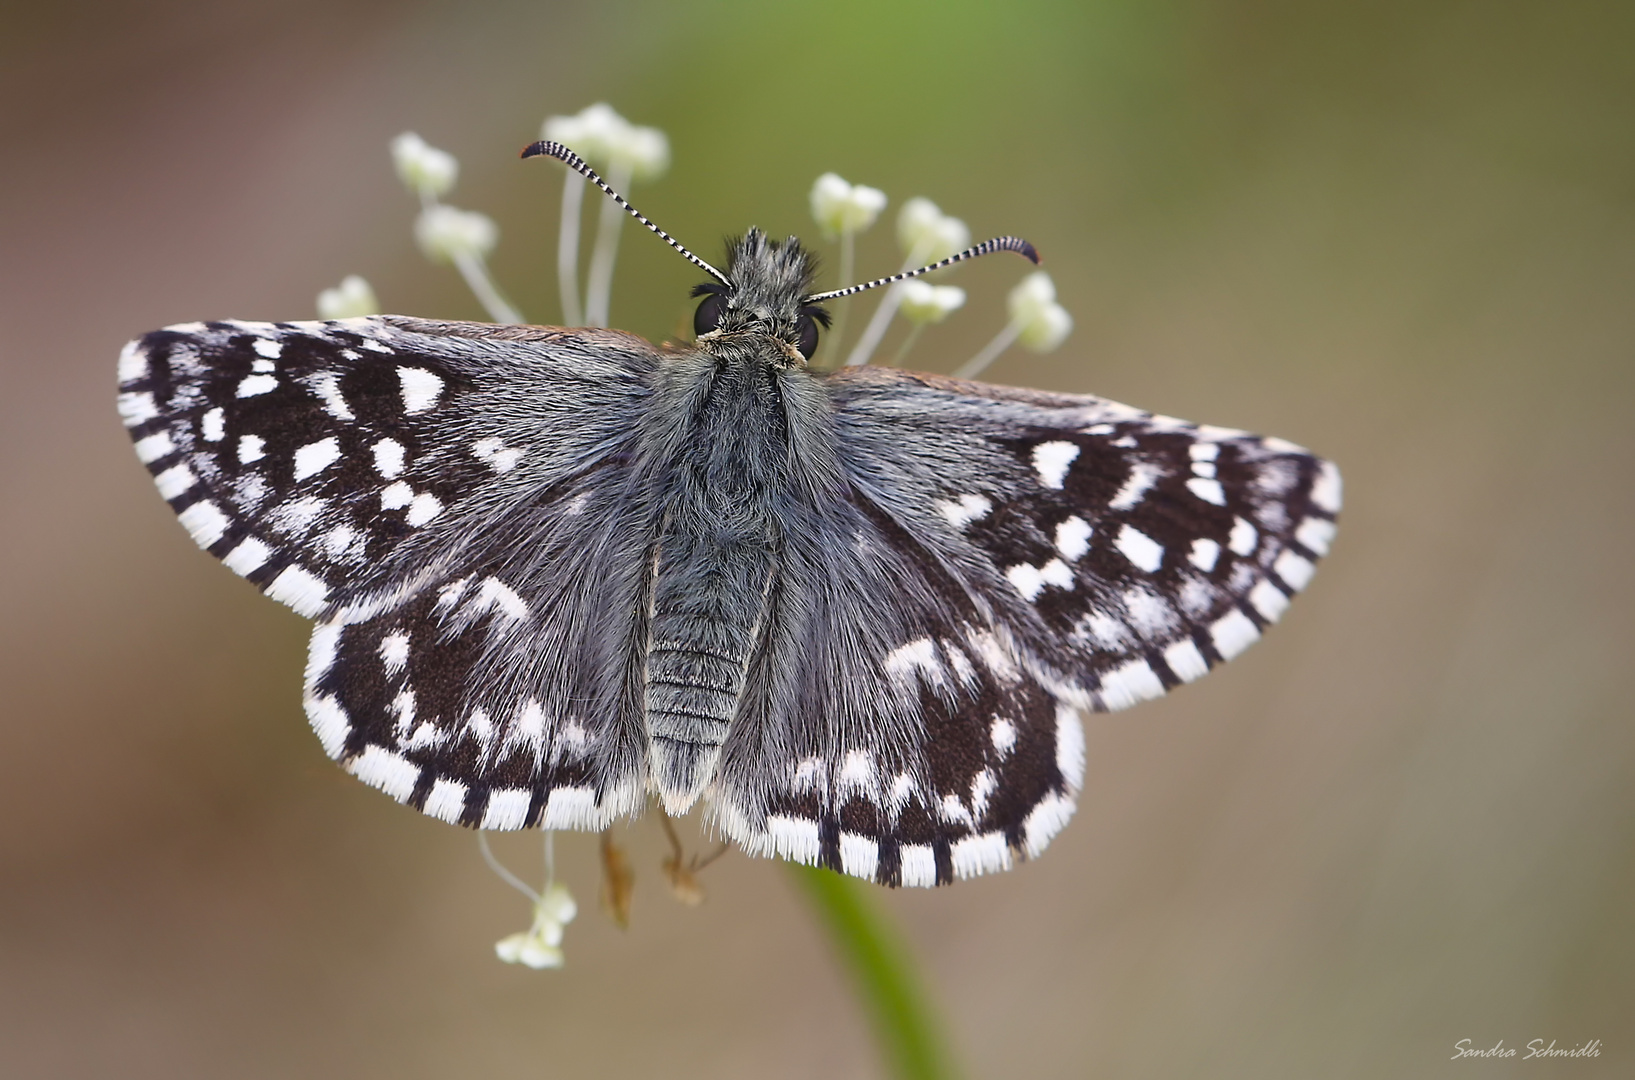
(546, 148)
(998, 243)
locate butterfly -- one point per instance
(855, 614)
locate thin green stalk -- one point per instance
(889, 988)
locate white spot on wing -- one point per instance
(1185, 661)
(206, 523)
(135, 409)
(446, 801)
(251, 448)
(496, 595)
(982, 854)
(1044, 821)
(1003, 735)
(1232, 633)
(1051, 460)
(918, 655)
(394, 651)
(1243, 538)
(423, 509)
(1130, 683)
(389, 458)
(1073, 538)
(329, 722)
(250, 554)
(964, 510)
(175, 480)
(573, 808)
(328, 389)
(1326, 489)
(1268, 599)
(1295, 571)
(254, 385)
(1315, 535)
(859, 855)
(496, 455)
(1208, 490)
(133, 362)
(1204, 451)
(396, 496)
(390, 772)
(268, 348)
(213, 425)
(1143, 475)
(1069, 747)
(507, 808)
(795, 839)
(299, 589)
(1205, 553)
(315, 457)
(1142, 550)
(919, 865)
(154, 447)
(421, 389)
(1027, 579)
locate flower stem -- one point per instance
(599, 283)
(883, 970)
(990, 352)
(908, 343)
(567, 248)
(848, 260)
(475, 271)
(876, 329)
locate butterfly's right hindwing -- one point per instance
(453, 503)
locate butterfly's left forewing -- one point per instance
(446, 500)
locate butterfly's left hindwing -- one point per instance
(425, 491)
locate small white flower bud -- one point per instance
(540, 946)
(928, 233)
(644, 151)
(348, 300)
(607, 140)
(842, 208)
(923, 302)
(424, 169)
(445, 233)
(1045, 323)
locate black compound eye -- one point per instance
(807, 330)
(708, 315)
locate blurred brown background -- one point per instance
(1400, 233)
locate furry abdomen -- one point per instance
(728, 459)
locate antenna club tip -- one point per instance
(533, 149)
(1029, 252)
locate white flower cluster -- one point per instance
(927, 235)
(841, 208)
(627, 153)
(348, 300)
(424, 169)
(611, 143)
(540, 946)
(1043, 323)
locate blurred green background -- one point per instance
(1400, 233)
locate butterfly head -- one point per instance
(765, 293)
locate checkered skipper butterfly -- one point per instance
(855, 613)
